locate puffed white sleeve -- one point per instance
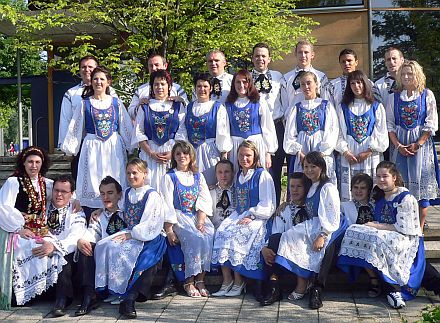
(350, 212)
(181, 132)
(75, 132)
(223, 139)
(290, 144)
(93, 232)
(431, 120)
(125, 126)
(204, 200)
(266, 197)
(66, 114)
(133, 107)
(152, 220)
(167, 191)
(329, 210)
(342, 143)
(279, 226)
(11, 218)
(138, 128)
(389, 110)
(331, 131)
(268, 128)
(407, 218)
(379, 138)
(76, 231)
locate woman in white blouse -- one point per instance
(412, 121)
(207, 125)
(363, 136)
(159, 123)
(250, 119)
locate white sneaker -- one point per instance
(236, 290)
(223, 290)
(395, 300)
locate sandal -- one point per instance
(294, 296)
(203, 291)
(375, 288)
(191, 290)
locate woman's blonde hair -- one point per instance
(419, 76)
(186, 148)
(139, 164)
(249, 144)
(303, 74)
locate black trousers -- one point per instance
(86, 272)
(143, 284)
(64, 286)
(278, 160)
(273, 244)
(329, 260)
(431, 278)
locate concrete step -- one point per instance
(432, 249)
(55, 166)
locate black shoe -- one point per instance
(258, 291)
(275, 295)
(59, 308)
(89, 303)
(126, 308)
(169, 289)
(315, 300)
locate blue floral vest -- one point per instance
(102, 123)
(185, 197)
(133, 211)
(360, 127)
(248, 193)
(244, 121)
(386, 211)
(161, 126)
(410, 114)
(201, 128)
(310, 121)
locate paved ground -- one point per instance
(350, 306)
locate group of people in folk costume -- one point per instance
(205, 191)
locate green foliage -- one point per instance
(181, 30)
(431, 314)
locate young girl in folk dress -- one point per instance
(250, 119)
(188, 204)
(158, 124)
(207, 124)
(392, 244)
(412, 121)
(363, 135)
(128, 257)
(302, 248)
(241, 236)
(312, 125)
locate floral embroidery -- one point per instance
(359, 125)
(242, 116)
(387, 214)
(35, 220)
(161, 123)
(310, 120)
(409, 114)
(188, 197)
(242, 199)
(198, 134)
(103, 120)
(133, 211)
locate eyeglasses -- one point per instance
(62, 192)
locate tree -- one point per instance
(181, 30)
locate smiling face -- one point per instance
(297, 191)
(360, 192)
(357, 86)
(61, 194)
(348, 63)
(304, 56)
(246, 158)
(100, 83)
(110, 196)
(241, 86)
(224, 175)
(135, 177)
(407, 78)
(86, 68)
(216, 63)
(308, 87)
(160, 88)
(32, 165)
(182, 159)
(203, 90)
(385, 180)
(261, 59)
(312, 171)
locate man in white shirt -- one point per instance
(268, 83)
(222, 81)
(290, 89)
(142, 93)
